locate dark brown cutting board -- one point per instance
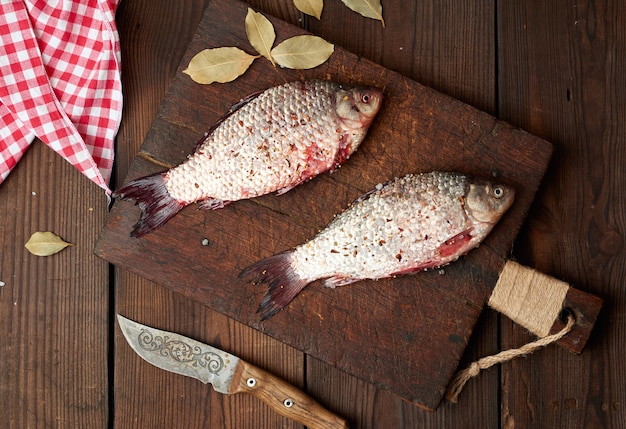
(405, 335)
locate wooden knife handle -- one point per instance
(282, 397)
(538, 302)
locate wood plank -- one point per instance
(446, 45)
(562, 79)
(454, 136)
(449, 46)
(54, 324)
(157, 398)
(53, 310)
(145, 396)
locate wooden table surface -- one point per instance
(555, 69)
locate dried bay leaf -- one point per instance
(310, 7)
(45, 244)
(218, 65)
(260, 33)
(302, 52)
(368, 8)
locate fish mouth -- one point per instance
(364, 119)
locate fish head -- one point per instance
(487, 201)
(356, 107)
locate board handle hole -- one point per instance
(566, 313)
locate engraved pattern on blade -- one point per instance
(180, 351)
(181, 355)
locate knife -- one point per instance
(227, 373)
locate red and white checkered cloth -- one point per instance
(60, 82)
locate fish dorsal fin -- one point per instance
(234, 108)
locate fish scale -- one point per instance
(257, 163)
(410, 224)
(385, 232)
(271, 141)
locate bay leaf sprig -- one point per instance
(219, 65)
(45, 243)
(261, 34)
(310, 7)
(367, 8)
(302, 52)
(226, 64)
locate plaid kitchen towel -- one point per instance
(60, 82)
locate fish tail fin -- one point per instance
(157, 205)
(284, 283)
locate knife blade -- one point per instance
(227, 373)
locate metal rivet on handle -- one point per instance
(251, 382)
(288, 403)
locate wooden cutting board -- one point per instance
(405, 335)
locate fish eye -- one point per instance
(498, 192)
(365, 98)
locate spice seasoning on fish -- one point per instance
(410, 224)
(271, 141)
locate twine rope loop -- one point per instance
(463, 376)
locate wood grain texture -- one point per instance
(560, 72)
(434, 311)
(146, 396)
(53, 310)
(562, 79)
(283, 398)
(447, 45)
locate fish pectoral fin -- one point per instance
(213, 204)
(287, 188)
(455, 245)
(305, 176)
(427, 265)
(333, 282)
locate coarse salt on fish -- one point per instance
(269, 142)
(410, 224)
